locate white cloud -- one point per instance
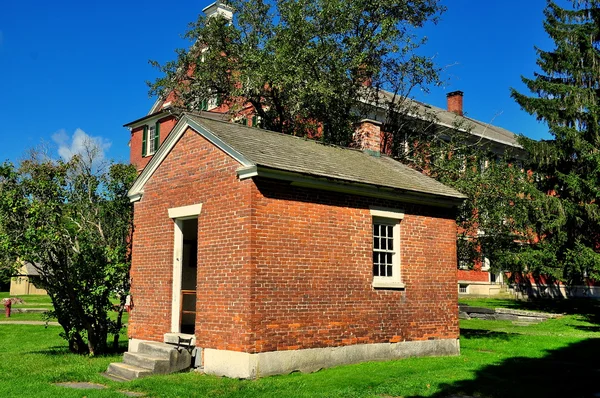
(80, 143)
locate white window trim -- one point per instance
(485, 264)
(150, 140)
(391, 216)
(185, 212)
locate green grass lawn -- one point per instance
(38, 301)
(556, 358)
(31, 301)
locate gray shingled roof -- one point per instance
(30, 270)
(284, 152)
(474, 127)
(443, 116)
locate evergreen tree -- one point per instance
(567, 98)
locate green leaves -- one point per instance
(303, 65)
(74, 223)
(567, 98)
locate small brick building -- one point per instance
(279, 253)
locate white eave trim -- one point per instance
(155, 107)
(360, 189)
(247, 172)
(137, 190)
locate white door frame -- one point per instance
(179, 214)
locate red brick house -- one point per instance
(148, 133)
(279, 253)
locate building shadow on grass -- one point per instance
(569, 372)
(588, 309)
(61, 350)
(486, 334)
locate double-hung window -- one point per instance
(386, 248)
(151, 139)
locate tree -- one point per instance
(314, 68)
(567, 98)
(73, 221)
(308, 68)
(504, 205)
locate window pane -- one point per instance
(389, 258)
(389, 270)
(383, 231)
(376, 243)
(390, 244)
(375, 230)
(390, 231)
(375, 269)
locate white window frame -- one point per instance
(150, 150)
(390, 217)
(485, 263)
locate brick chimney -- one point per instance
(455, 102)
(368, 136)
(219, 8)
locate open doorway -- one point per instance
(189, 269)
(185, 268)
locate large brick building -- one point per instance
(279, 253)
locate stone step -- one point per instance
(158, 350)
(174, 338)
(151, 358)
(126, 371)
(179, 359)
(156, 365)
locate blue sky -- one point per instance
(74, 68)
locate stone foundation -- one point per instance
(249, 366)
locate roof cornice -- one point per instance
(159, 114)
(354, 188)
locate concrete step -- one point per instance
(156, 365)
(151, 358)
(158, 350)
(173, 338)
(126, 371)
(179, 359)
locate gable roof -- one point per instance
(28, 269)
(449, 119)
(443, 117)
(305, 162)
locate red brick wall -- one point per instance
(223, 249)
(368, 136)
(474, 275)
(283, 267)
(455, 102)
(135, 146)
(313, 259)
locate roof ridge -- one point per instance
(307, 139)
